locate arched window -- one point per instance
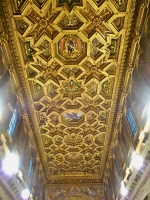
(13, 123)
(30, 167)
(131, 122)
(117, 166)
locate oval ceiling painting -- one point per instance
(72, 116)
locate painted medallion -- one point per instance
(70, 46)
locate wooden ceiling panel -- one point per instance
(72, 52)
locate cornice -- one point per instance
(117, 107)
(17, 65)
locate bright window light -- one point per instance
(10, 163)
(137, 160)
(25, 194)
(123, 189)
(141, 136)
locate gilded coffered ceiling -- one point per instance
(73, 53)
